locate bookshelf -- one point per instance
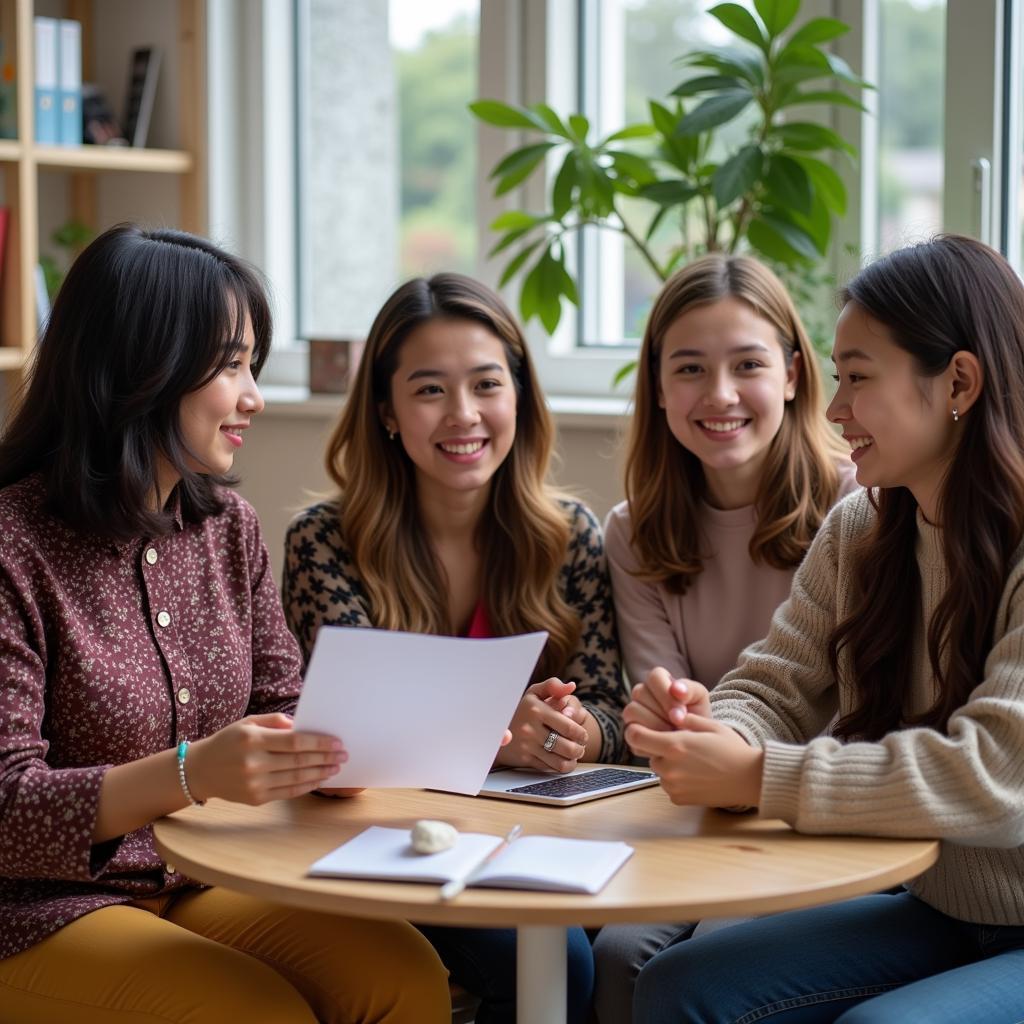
(44, 185)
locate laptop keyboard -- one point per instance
(587, 782)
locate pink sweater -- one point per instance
(697, 635)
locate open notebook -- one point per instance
(548, 863)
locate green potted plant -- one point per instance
(775, 193)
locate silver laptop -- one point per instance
(590, 783)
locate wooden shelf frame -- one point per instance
(22, 160)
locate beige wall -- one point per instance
(281, 464)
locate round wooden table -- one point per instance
(690, 863)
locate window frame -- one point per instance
(253, 148)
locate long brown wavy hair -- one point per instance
(665, 482)
(938, 298)
(524, 531)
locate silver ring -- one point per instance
(549, 743)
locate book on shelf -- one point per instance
(142, 79)
(69, 53)
(8, 92)
(546, 863)
(5, 216)
(46, 83)
(42, 298)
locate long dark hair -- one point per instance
(143, 318)
(937, 298)
(524, 531)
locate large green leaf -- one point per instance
(795, 237)
(830, 96)
(737, 175)
(818, 30)
(844, 72)
(739, 20)
(706, 83)
(529, 294)
(817, 224)
(728, 60)
(632, 165)
(810, 136)
(777, 15)
(565, 181)
(549, 303)
(597, 192)
(670, 193)
(512, 219)
(767, 240)
(827, 182)
(664, 120)
(579, 126)
(568, 284)
(788, 183)
(515, 264)
(714, 111)
(511, 238)
(503, 116)
(631, 131)
(518, 166)
(526, 156)
(551, 119)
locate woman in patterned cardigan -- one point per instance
(445, 523)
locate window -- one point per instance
(386, 152)
(628, 54)
(911, 87)
(390, 177)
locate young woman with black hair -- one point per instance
(905, 626)
(145, 665)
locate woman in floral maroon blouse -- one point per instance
(137, 616)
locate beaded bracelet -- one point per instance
(182, 751)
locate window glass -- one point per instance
(435, 53)
(386, 152)
(911, 86)
(640, 42)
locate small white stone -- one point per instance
(433, 836)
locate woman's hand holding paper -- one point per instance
(261, 758)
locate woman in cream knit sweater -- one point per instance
(906, 620)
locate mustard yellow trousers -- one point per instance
(218, 957)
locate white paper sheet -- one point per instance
(426, 712)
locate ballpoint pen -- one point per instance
(452, 889)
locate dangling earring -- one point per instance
(392, 434)
(956, 415)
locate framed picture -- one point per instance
(138, 108)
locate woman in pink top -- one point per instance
(731, 469)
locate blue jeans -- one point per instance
(873, 960)
(483, 962)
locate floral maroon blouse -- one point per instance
(322, 585)
(109, 653)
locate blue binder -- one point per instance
(46, 88)
(70, 83)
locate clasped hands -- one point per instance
(699, 761)
(549, 729)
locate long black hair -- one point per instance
(143, 318)
(938, 298)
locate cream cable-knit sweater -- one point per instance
(964, 786)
